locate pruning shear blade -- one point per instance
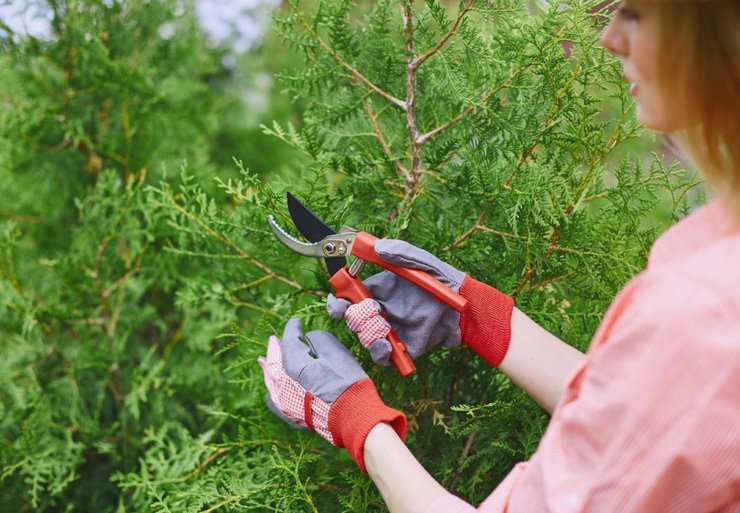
(338, 245)
(302, 248)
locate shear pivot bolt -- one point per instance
(329, 248)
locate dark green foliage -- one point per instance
(139, 280)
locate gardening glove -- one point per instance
(313, 382)
(421, 321)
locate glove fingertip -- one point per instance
(391, 250)
(380, 352)
(336, 306)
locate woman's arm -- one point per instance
(538, 361)
(404, 484)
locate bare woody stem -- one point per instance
(412, 66)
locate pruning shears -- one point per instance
(335, 247)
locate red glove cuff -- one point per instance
(355, 413)
(485, 324)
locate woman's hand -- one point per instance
(420, 321)
(313, 382)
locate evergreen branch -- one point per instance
(422, 139)
(456, 24)
(230, 244)
(200, 254)
(21, 217)
(570, 207)
(550, 281)
(123, 279)
(546, 123)
(463, 455)
(238, 302)
(93, 321)
(383, 143)
(353, 71)
(468, 233)
(506, 235)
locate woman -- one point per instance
(648, 419)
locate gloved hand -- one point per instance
(326, 391)
(421, 321)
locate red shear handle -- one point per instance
(364, 248)
(352, 289)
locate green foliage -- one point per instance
(139, 280)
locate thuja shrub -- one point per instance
(132, 382)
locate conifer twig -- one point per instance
(453, 30)
(422, 139)
(23, 218)
(462, 238)
(546, 123)
(383, 143)
(353, 71)
(229, 243)
(550, 281)
(465, 452)
(570, 207)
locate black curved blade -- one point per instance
(313, 229)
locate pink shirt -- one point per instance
(650, 420)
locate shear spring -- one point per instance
(356, 267)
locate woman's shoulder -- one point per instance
(695, 232)
(701, 286)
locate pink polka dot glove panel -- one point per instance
(313, 382)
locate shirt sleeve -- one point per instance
(649, 421)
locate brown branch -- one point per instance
(23, 218)
(570, 207)
(465, 452)
(549, 251)
(506, 235)
(456, 24)
(210, 459)
(556, 279)
(123, 279)
(468, 232)
(355, 73)
(408, 30)
(479, 226)
(95, 321)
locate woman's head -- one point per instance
(683, 61)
